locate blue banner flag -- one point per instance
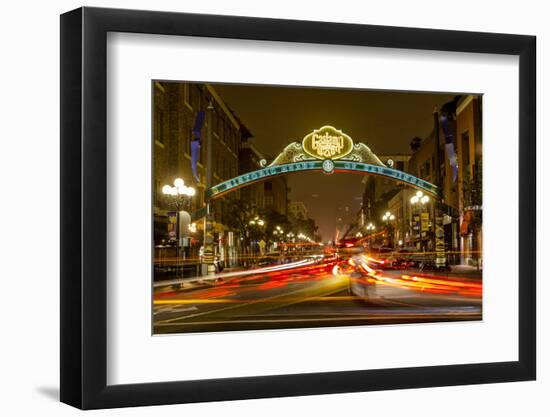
(198, 125)
(196, 144)
(449, 144)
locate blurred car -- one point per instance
(406, 258)
(382, 258)
(270, 258)
(362, 279)
(349, 247)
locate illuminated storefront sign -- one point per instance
(327, 143)
(339, 166)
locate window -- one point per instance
(159, 127)
(187, 94)
(233, 141)
(188, 142)
(214, 121)
(158, 190)
(427, 168)
(202, 153)
(465, 157)
(195, 97)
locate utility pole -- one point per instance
(208, 254)
(439, 231)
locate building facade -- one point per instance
(250, 159)
(469, 152)
(276, 194)
(423, 164)
(298, 210)
(175, 110)
(379, 191)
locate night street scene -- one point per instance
(295, 207)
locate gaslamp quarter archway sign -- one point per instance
(328, 150)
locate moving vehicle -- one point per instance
(354, 263)
(382, 258)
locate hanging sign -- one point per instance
(425, 221)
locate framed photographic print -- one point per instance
(257, 208)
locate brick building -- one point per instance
(469, 148)
(175, 109)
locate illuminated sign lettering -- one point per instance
(339, 166)
(327, 143)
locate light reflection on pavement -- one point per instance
(311, 295)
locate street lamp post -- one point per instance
(419, 200)
(208, 252)
(370, 229)
(178, 197)
(388, 218)
(256, 222)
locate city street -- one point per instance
(309, 294)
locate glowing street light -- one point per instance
(388, 216)
(419, 197)
(179, 188)
(257, 221)
(178, 196)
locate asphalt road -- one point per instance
(312, 296)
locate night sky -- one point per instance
(385, 121)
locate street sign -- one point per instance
(425, 221)
(172, 219)
(440, 259)
(416, 226)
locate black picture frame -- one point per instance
(84, 207)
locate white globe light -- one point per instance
(192, 191)
(387, 213)
(414, 199)
(424, 199)
(419, 194)
(178, 182)
(392, 217)
(166, 190)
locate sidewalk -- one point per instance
(466, 270)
